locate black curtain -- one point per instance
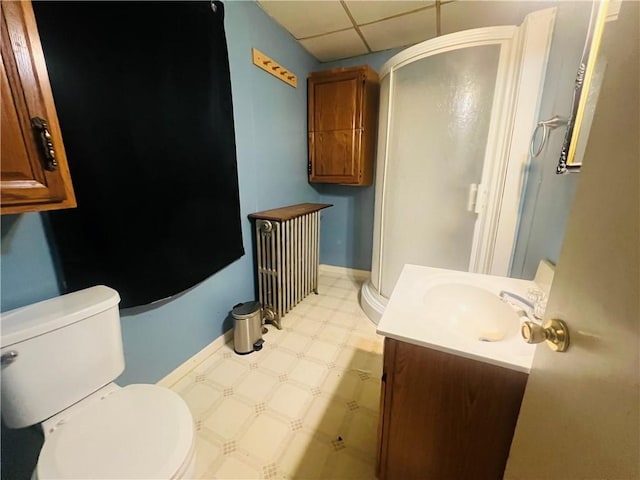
(143, 95)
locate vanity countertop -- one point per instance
(405, 317)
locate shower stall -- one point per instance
(456, 116)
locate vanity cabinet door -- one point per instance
(385, 404)
(34, 174)
(445, 416)
(342, 121)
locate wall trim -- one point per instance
(323, 268)
(182, 370)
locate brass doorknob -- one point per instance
(554, 333)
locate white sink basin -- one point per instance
(470, 311)
(459, 313)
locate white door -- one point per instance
(580, 413)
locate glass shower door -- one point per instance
(440, 111)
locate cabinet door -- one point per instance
(335, 127)
(389, 360)
(334, 155)
(446, 417)
(29, 180)
(336, 102)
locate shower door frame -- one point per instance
(514, 112)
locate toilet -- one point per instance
(59, 359)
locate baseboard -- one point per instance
(176, 375)
(323, 268)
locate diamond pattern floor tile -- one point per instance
(235, 468)
(305, 406)
(264, 437)
(308, 372)
(290, 401)
(229, 418)
(323, 351)
(305, 456)
(256, 384)
(200, 397)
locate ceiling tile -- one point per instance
(307, 18)
(335, 45)
(366, 11)
(400, 31)
(463, 15)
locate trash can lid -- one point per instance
(246, 309)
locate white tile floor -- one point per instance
(305, 406)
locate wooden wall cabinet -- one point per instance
(444, 416)
(34, 174)
(343, 117)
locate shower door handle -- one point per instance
(476, 198)
(472, 197)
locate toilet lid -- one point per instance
(139, 431)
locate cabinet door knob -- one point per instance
(42, 129)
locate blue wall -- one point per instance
(270, 124)
(27, 271)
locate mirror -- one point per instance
(585, 94)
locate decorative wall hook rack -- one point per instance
(274, 68)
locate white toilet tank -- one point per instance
(56, 352)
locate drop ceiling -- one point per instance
(335, 29)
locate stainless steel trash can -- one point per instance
(247, 327)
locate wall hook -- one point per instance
(269, 65)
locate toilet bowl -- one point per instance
(92, 427)
(139, 431)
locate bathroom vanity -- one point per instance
(455, 370)
(445, 416)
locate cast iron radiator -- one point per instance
(287, 257)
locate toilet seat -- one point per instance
(139, 431)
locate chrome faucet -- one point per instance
(527, 307)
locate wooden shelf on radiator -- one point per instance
(287, 213)
(287, 246)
